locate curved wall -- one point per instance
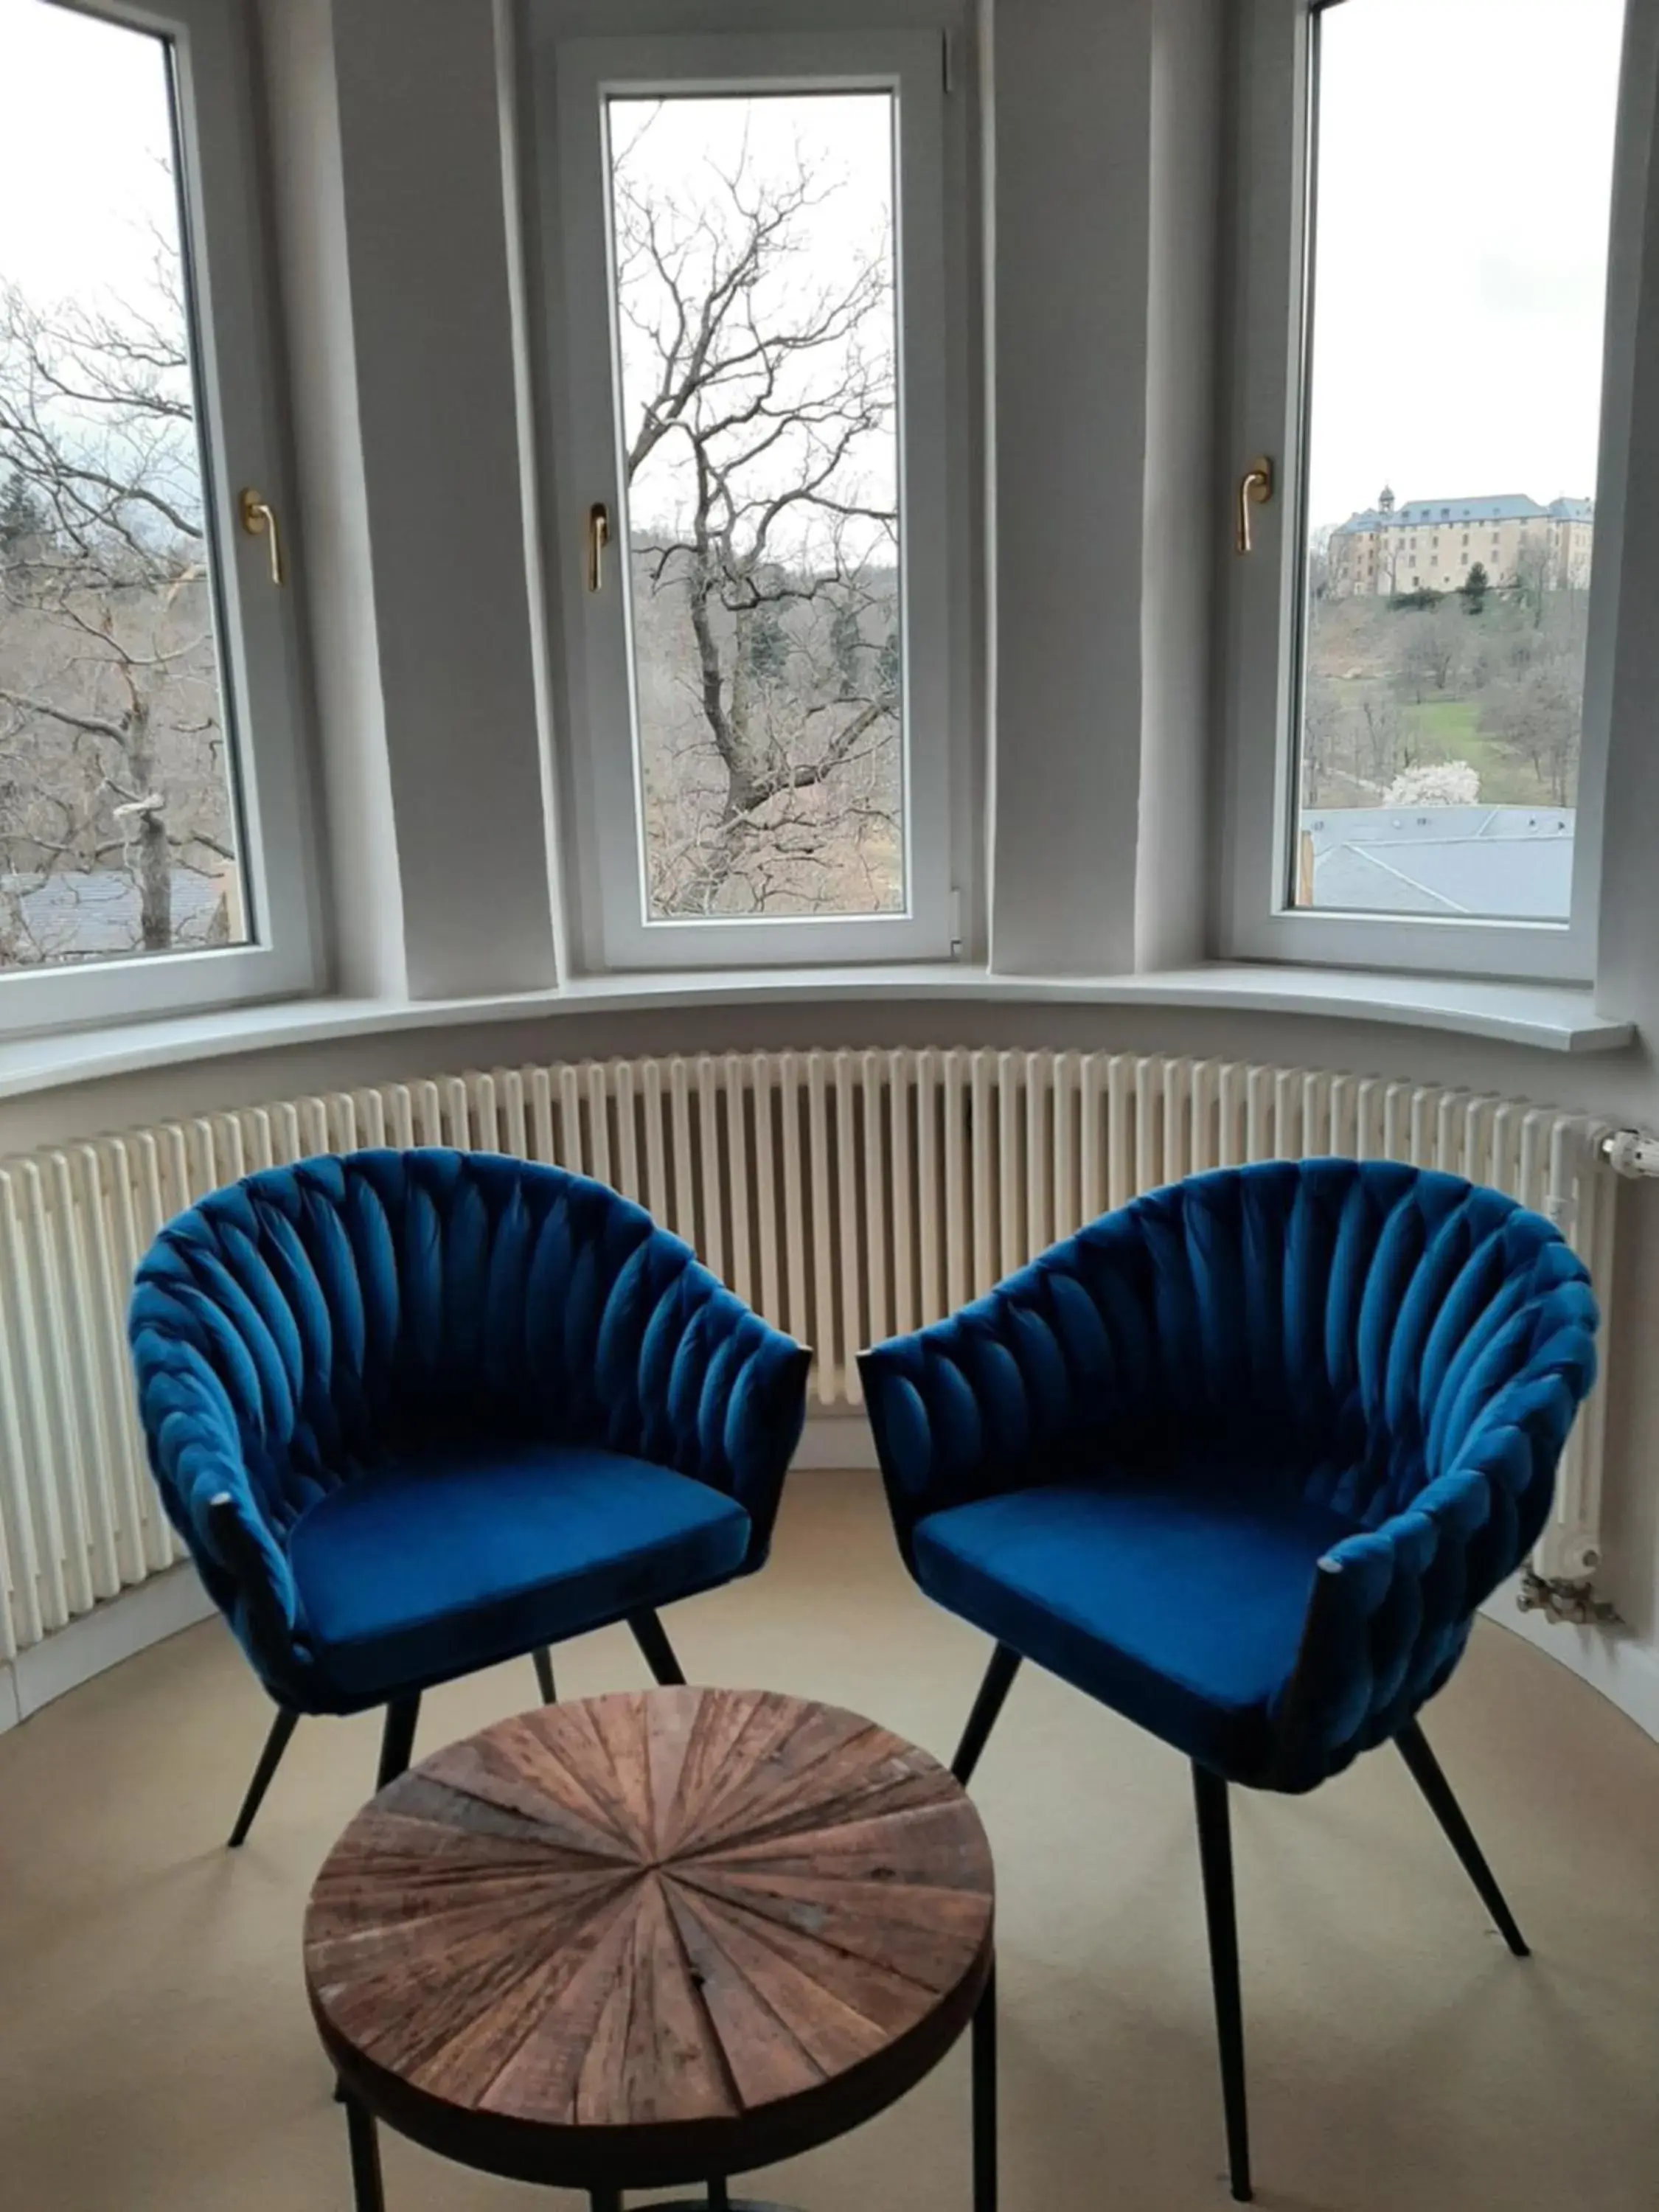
(1622, 1662)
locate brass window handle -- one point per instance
(599, 537)
(1256, 489)
(259, 518)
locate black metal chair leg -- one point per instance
(1425, 1772)
(605, 2200)
(543, 1659)
(270, 1759)
(985, 2098)
(367, 2193)
(1215, 1848)
(648, 1634)
(398, 1738)
(993, 1691)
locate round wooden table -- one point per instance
(653, 1939)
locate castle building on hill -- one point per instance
(1431, 544)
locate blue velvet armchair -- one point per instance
(415, 1414)
(1241, 1460)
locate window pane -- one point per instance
(754, 276)
(118, 828)
(1454, 425)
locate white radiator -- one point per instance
(847, 1194)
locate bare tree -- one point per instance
(113, 769)
(1323, 726)
(1434, 646)
(1387, 743)
(1533, 704)
(1319, 561)
(761, 461)
(1535, 574)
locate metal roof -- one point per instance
(1509, 863)
(1504, 506)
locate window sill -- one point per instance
(1550, 1017)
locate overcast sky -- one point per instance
(682, 156)
(1465, 161)
(84, 145)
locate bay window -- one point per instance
(1416, 731)
(152, 847)
(755, 582)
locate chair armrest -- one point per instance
(1392, 1606)
(688, 1377)
(1009, 1389)
(196, 1455)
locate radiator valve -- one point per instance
(1568, 1604)
(1628, 1152)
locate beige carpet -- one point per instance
(156, 2054)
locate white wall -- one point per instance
(396, 274)
(1104, 410)
(329, 544)
(1184, 521)
(1074, 132)
(392, 208)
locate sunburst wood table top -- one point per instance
(648, 1938)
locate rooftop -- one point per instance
(1513, 863)
(1501, 507)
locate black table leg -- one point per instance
(605, 2200)
(367, 2194)
(985, 2097)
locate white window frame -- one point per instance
(229, 287)
(606, 850)
(1261, 597)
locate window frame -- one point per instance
(604, 849)
(228, 285)
(1271, 312)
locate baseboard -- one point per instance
(110, 1632)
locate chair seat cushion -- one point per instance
(1176, 1600)
(426, 1569)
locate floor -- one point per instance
(156, 2054)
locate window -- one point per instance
(755, 424)
(1476, 709)
(147, 693)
